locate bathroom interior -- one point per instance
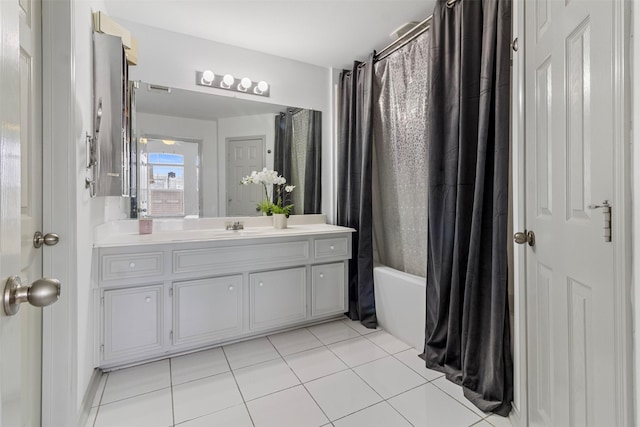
(390, 293)
(212, 273)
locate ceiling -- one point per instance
(320, 32)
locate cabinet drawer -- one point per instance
(328, 289)
(331, 248)
(133, 320)
(207, 310)
(125, 266)
(277, 297)
(237, 258)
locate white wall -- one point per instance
(635, 141)
(172, 59)
(190, 129)
(260, 125)
(90, 212)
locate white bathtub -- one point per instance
(400, 304)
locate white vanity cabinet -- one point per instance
(206, 310)
(162, 298)
(133, 322)
(328, 289)
(277, 297)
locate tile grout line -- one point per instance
(173, 404)
(135, 395)
(352, 370)
(410, 367)
(235, 380)
(322, 347)
(426, 381)
(95, 419)
(301, 382)
(325, 376)
(482, 417)
(348, 368)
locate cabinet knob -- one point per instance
(321, 275)
(132, 264)
(261, 284)
(230, 287)
(332, 247)
(147, 299)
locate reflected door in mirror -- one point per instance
(245, 155)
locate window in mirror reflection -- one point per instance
(169, 177)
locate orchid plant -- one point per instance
(270, 180)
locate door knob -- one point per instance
(49, 239)
(41, 293)
(525, 237)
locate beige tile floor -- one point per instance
(335, 374)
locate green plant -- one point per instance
(280, 207)
(266, 206)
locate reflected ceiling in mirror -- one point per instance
(229, 138)
(164, 101)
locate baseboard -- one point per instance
(89, 397)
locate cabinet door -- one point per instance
(206, 310)
(133, 319)
(327, 289)
(277, 298)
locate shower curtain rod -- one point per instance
(406, 38)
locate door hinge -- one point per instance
(606, 213)
(170, 292)
(102, 301)
(171, 336)
(102, 349)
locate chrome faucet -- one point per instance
(235, 226)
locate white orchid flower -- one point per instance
(289, 188)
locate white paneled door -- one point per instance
(20, 207)
(10, 327)
(244, 155)
(31, 201)
(570, 287)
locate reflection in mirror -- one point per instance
(297, 156)
(190, 151)
(169, 177)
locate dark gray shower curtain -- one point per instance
(282, 161)
(313, 165)
(467, 322)
(282, 144)
(355, 145)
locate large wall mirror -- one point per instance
(190, 150)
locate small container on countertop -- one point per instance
(145, 225)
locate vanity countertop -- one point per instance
(126, 236)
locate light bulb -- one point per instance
(143, 140)
(245, 83)
(262, 87)
(228, 80)
(207, 77)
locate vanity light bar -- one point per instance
(228, 82)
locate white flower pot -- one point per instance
(279, 221)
